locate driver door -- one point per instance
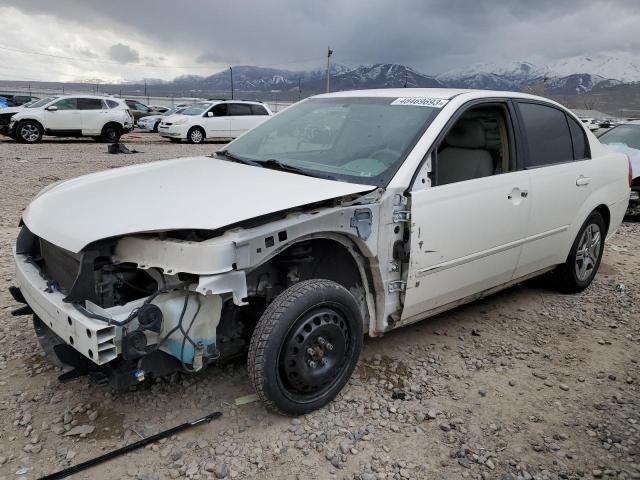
(469, 213)
(216, 121)
(66, 117)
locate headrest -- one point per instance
(467, 134)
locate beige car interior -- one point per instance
(476, 146)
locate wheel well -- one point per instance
(115, 124)
(606, 215)
(37, 122)
(318, 258)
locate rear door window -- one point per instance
(548, 139)
(239, 109)
(90, 104)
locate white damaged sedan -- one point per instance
(347, 214)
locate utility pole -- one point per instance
(145, 88)
(231, 74)
(299, 89)
(329, 53)
(29, 89)
(406, 78)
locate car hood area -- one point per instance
(188, 193)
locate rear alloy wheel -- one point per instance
(29, 131)
(111, 133)
(305, 346)
(583, 261)
(196, 135)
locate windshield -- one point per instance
(627, 135)
(196, 109)
(40, 103)
(360, 140)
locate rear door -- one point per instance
(216, 121)
(557, 158)
(94, 115)
(241, 118)
(65, 118)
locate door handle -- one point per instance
(582, 181)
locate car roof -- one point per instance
(440, 93)
(631, 122)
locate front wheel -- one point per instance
(28, 131)
(305, 346)
(195, 135)
(583, 261)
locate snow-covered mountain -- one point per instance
(564, 77)
(620, 67)
(249, 78)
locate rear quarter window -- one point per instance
(579, 140)
(258, 110)
(547, 134)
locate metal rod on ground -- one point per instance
(129, 448)
(231, 73)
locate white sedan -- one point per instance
(347, 213)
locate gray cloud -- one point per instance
(123, 53)
(430, 35)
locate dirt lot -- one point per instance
(525, 384)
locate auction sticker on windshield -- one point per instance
(421, 102)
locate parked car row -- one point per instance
(106, 118)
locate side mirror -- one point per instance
(52, 108)
(209, 114)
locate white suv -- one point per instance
(218, 119)
(103, 118)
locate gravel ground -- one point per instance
(524, 384)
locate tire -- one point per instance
(196, 135)
(28, 131)
(584, 258)
(305, 347)
(111, 133)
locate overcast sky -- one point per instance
(117, 40)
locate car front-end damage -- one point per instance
(143, 305)
(126, 320)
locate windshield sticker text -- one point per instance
(421, 102)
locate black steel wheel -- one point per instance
(305, 346)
